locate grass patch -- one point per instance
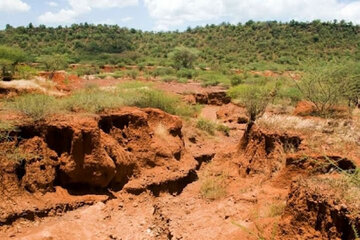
(36, 106)
(91, 100)
(210, 127)
(213, 187)
(6, 127)
(147, 97)
(213, 79)
(207, 126)
(95, 100)
(169, 78)
(276, 209)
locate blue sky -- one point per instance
(172, 14)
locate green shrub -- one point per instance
(207, 126)
(254, 98)
(26, 72)
(141, 66)
(86, 70)
(118, 74)
(132, 73)
(6, 127)
(162, 71)
(327, 84)
(223, 128)
(36, 106)
(202, 66)
(292, 93)
(142, 95)
(213, 79)
(236, 80)
(182, 80)
(120, 65)
(92, 100)
(186, 73)
(183, 57)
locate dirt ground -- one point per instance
(144, 174)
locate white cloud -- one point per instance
(52, 4)
(177, 12)
(126, 19)
(13, 6)
(80, 7)
(63, 16)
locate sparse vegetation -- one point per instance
(327, 85)
(210, 127)
(36, 106)
(6, 127)
(276, 209)
(52, 63)
(213, 187)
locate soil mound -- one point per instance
(266, 151)
(131, 148)
(316, 209)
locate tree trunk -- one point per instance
(245, 138)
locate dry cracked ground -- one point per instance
(134, 173)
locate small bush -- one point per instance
(210, 127)
(141, 66)
(186, 73)
(118, 74)
(291, 93)
(213, 79)
(142, 95)
(183, 57)
(207, 126)
(223, 128)
(236, 80)
(6, 127)
(26, 72)
(132, 73)
(86, 70)
(92, 100)
(36, 106)
(162, 71)
(183, 80)
(202, 66)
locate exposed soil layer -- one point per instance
(130, 148)
(319, 212)
(137, 173)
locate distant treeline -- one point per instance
(250, 44)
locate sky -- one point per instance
(164, 15)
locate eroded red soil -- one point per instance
(137, 173)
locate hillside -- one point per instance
(255, 45)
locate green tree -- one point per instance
(255, 99)
(329, 84)
(184, 57)
(9, 58)
(52, 63)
